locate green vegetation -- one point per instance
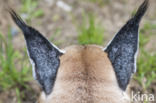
(146, 70)
(100, 2)
(54, 35)
(92, 34)
(29, 9)
(14, 70)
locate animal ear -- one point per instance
(123, 48)
(44, 56)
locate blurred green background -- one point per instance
(70, 22)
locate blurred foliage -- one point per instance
(146, 70)
(100, 2)
(56, 33)
(14, 69)
(29, 9)
(92, 34)
(18, 95)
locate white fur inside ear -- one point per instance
(109, 43)
(61, 51)
(33, 69)
(33, 66)
(135, 61)
(135, 56)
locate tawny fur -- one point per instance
(85, 75)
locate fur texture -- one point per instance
(85, 75)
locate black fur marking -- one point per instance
(43, 54)
(121, 51)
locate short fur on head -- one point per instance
(84, 74)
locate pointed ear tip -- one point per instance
(146, 3)
(10, 10)
(7, 7)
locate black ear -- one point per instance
(122, 49)
(43, 55)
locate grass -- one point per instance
(57, 33)
(14, 69)
(92, 33)
(29, 9)
(146, 73)
(146, 70)
(100, 2)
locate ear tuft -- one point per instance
(141, 11)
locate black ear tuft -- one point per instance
(141, 11)
(17, 19)
(43, 54)
(123, 48)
